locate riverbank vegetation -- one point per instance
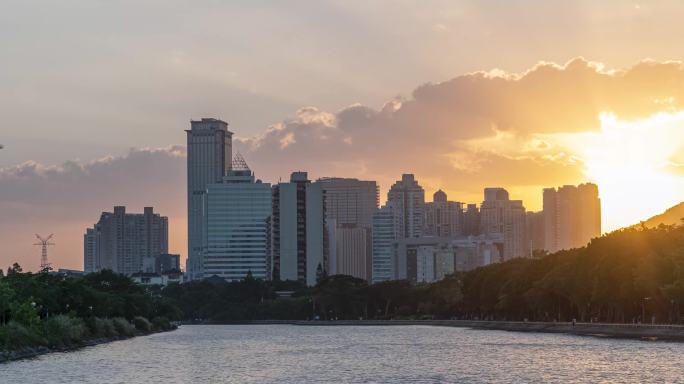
(630, 275)
(52, 311)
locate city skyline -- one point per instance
(473, 105)
(424, 215)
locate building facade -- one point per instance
(442, 217)
(349, 208)
(536, 234)
(408, 201)
(299, 238)
(350, 250)
(430, 259)
(90, 255)
(237, 220)
(209, 155)
(125, 242)
(350, 201)
(501, 216)
(572, 216)
(471, 220)
(386, 230)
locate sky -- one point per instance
(95, 96)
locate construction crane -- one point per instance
(44, 243)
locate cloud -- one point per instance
(67, 198)
(481, 128)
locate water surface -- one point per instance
(346, 354)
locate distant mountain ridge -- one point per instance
(673, 215)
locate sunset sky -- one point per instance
(95, 96)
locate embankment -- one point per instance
(628, 331)
(30, 352)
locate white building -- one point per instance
(386, 228)
(298, 230)
(429, 259)
(237, 227)
(408, 199)
(209, 155)
(501, 216)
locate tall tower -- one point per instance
(299, 241)
(408, 199)
(210, 154)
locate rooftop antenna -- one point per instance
(44, 243)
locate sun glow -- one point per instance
(635, 165)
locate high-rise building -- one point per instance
(209, 151)
(408, 200)
(536, 231)
(500, 215)
(349, 207)
(124, 242)
(298, 230)
(442, 217)
(572, 216)
(386, 230)
(90, 258)
(350, 250)
(237, 220)
(471, 221)
(350, 201)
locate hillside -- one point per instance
(673, 215)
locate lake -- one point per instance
(355, 354)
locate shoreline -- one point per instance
(645, 332)
(31, 352)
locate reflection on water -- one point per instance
(395, 354)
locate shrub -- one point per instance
(142, 324)
(109, 330)
(25, 314)
(65, 331)
(17, 337)
(123, 327)
(160, 323)
(96, 327)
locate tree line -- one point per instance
(631, 275)
(50, 310)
